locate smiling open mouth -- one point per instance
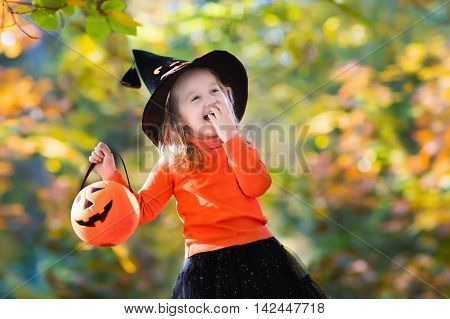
(98, 216)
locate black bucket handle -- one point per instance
(91, 167)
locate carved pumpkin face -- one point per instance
(105, 213)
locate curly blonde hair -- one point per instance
(174, 147)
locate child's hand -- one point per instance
(222, 120)
(104, 159)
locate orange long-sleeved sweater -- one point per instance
(217, 205)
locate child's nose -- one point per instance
(210, 100)
(208, 106)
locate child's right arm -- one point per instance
(153, 195)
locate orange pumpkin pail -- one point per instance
(105, 213)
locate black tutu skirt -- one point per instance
(260, 269)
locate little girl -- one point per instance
(215, 175)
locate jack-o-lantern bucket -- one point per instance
(105, 213)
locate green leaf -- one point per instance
(121, 28)
(45, 18)
(68, 10)
(91, 8)
(97, 27)
(49, 3)
(113, 5)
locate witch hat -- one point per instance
(160, 72)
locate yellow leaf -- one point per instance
(122, 253)
(123, 19)
(431, 218)
(23, 8)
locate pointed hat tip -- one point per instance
(131, 78)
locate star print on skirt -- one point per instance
(260, 269)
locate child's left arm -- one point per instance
(252, 174)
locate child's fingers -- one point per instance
(223, 108)
(104, 147)
(101, 151)
(215, 110)
(100, 154)
(92, 160)
(96, 157)
(212, 119)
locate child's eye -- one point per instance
(215, 90)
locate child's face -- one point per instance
(195, 90)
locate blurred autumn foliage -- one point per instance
(371, 218)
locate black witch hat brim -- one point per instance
(229, 69)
